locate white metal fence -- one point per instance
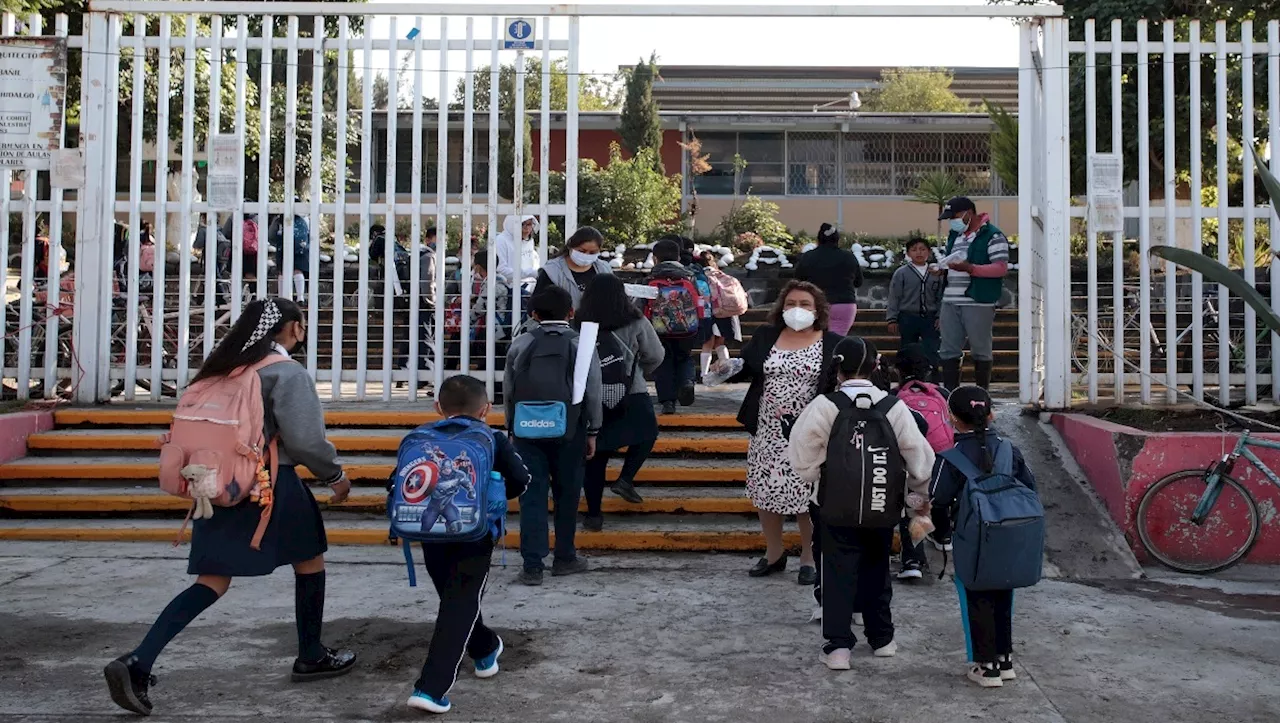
(1144, 330)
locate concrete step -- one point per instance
(354, 415)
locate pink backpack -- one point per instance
(215, 447)
(147, 258)
(727, 295)
(925, 399)
(250, 236)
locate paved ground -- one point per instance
(642, 638)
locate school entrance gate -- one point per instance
(271, 117)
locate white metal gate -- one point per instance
(365, 329)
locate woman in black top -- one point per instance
(835, 271)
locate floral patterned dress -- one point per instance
(791, 379)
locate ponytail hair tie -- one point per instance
(838, 358)
(977, 403)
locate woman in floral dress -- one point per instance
(789, 364)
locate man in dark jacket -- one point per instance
(674, 377)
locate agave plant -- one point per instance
(1217, 273)
(937, 188)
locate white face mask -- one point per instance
(582, 259)
(797, 318)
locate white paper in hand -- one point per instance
(582, 364)
(641, 291)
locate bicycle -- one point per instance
(1203, 520)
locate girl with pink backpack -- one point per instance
(249, 403)
(929, 402)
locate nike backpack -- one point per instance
(864, 479)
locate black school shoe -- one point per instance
(333, 664)
(686, 395)
(808, 575)
(593, 523)
(128, 686)
(625, 489)
(764, 568)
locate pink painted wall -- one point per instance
(15, 428)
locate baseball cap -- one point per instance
(955, 207)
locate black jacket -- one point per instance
(832, 269)
(948, 482)
(754, 355)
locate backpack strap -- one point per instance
(962, 463)
(408, 562)
(841, 400)
(884, 405)
(1004, 458)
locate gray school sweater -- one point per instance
(592, 409)
(909, 293)
(292, 408)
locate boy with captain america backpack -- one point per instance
(450, 490)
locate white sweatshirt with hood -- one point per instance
(516, 255)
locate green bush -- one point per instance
(757, 216)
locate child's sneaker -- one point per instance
(939, 542)
(886, 651)
(857, 620)
(837, 659)
(816, 617)
(487, 667)
(1006, 667)
(986, 675)
(422, 701)
(911, 570)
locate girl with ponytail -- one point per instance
(989, 613)
(854, 560)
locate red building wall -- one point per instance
(594, 144)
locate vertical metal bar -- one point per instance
(160, 344)
(89, 202)
(53, 279)
(1273, 220)
(389, 272)
(1057, 158)
(188, 167)
(1170, 222)
(264, 155)
(110, 134)
(130, 349)
(211, 241)
(6, 178)
(518, 201)
(1117, 241)
(1224, 137)
(366, 178)
(544, 144)
(1026, 182)
(571, 132)
(317, 191)
(1250, 210)
(468, 174)
(290, 156)
(415, 227)
(442, 201)
(1144, 211)
(237, 217)
(466, 265)
(1197, 225)
(30, 189)
(339, 212)
(1091, 145)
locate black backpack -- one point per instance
(542, 387)
(864, 478)
(617, 367)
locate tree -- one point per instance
(628, 200)
(936, 189)
(1004, 146)
(915, 90)
(699, 164)
(639, 126)
(381, 91)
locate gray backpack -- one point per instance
(542, 387)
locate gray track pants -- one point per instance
(971, 322)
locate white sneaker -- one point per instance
(986, 676)
(816, 617)
(1006, 668)
(837, 659)
(857, 620)
(887, 651)
(722, 371)
(941, 545)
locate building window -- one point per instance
(892, 164)
(404, 162)
(763, 174)
(812, 164)
(868, 164)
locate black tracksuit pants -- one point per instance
(459, 570)
(855, 576)
(988, 622)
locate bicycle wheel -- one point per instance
(1169, 535)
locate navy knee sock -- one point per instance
(177, 615)
(308, 602)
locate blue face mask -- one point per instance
(959, 225)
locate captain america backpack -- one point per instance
(443, 488)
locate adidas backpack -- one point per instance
(444, 488)
(617, 368)
(999, 531)
(864, 479)
(542, 386)
(926, 400)
(676, 309)
(216, 446)
(728, 297)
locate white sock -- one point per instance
(705, 359)
(722, 351)
(300, 286)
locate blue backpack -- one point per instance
(704, 291)
(999, 532)
(444, 488)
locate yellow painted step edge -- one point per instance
(111, 470)
(655, 541)
(123, 504)
(357, 418)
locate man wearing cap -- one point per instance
(976, 262)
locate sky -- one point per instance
(608, 42)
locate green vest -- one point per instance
(981, 290)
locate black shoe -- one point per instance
(625, 489)
(532, 578)
(686, 395)
(128, 686)
(668, 407)
(982, 373)
(951, 373)
(764, 568)
(808, 575)
(560, 568)
(334, 663)
(911, 570)
(593, 523)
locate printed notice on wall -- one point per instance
(33, 87)
(225, 156)
(1105, 173)
(68, 168)
(1107, 210)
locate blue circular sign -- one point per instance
(520, 30)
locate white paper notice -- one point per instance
(641, 291)
(1105, 173)
(68, 168)
(1108, 212)
(224, 153)
(33, 86)
(582, 364)
(224, 192)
